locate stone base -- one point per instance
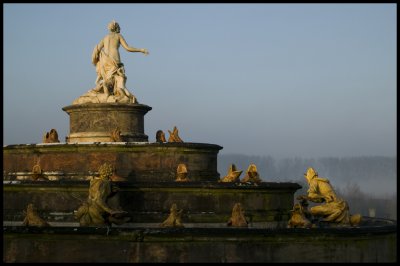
(150, 202)
(206, 245)
(137, 162)
(94, 122)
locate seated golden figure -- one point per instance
(232, 176)
(252, 175)
(237, 219)
(32, 218)
(51, 137)
(174, 219)
(334, 209)
(174, 136)
(181, 173)
(101, 207)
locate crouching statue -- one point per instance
(333, 210)
(102, 206)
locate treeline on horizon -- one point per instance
(367, 183)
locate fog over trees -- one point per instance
(368, 183)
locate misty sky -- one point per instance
(284, 80)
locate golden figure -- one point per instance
(97, 209)
(37, 173)
(252, 175)
(51, 137)
(334, 209)
(32, 218)
(174, 136)
(116, 135)
(232, 176)
(300, 216)
(181, 173)
(160, 137)
(237, 219)
(174, 219)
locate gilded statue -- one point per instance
(252, 175)
(111, 79)
(232, 176)
(37, 173)
(333, 210)
(237, 219)
(174, 219)
(181, 173)
(300, 216)
(174, 136)
(102, 207)
(32, 218)
(51, 137)
(160, 136)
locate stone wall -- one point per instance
(369, 244)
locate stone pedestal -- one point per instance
(94, 122)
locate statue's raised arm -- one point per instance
(111, 79)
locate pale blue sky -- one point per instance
(285, 80)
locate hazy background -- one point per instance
(307, 81)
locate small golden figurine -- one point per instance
(181, 173)
(50, 137)
(300, 216)
(174, 219)
(252, 175)
(160, 137)
(97, 210)
(237, 219)
(32, 218)
(232, 176)
(174, 136)
(37, 173)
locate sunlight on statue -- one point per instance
(232, 176)
(333, 210)
(252, 175)
(111, 79)
(102, 206)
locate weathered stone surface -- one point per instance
(135, 162)
(74, 244)
(94, 122)
(151, 201)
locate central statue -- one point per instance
(111, 79)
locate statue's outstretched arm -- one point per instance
(131, 49)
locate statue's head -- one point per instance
(113, 26)
(252, 168)
(160, 136)
(310, 174)
(237, 209)
(181, 169)
(30, 207)
(106, 171)
(174, 208)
